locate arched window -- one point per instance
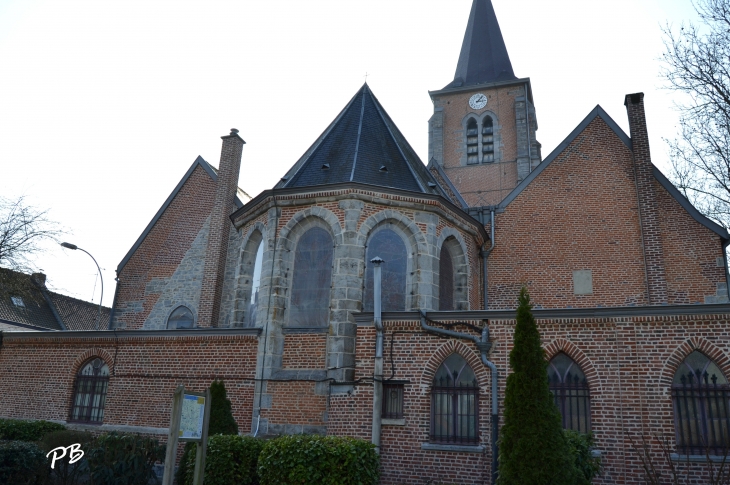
(701, 397)
(181, 317)
(455, 403)
(570, 390)
(472, 142)
(312, 280)
(446, 280)
(389, 246)
(255, 285)
(488, 139)
(90, 392)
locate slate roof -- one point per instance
(48, 310)
(484, 57)
(362, 145)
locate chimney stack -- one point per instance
(220, 227)
(649, 212)
(39, 279)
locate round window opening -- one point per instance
(181, 317)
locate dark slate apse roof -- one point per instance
(483, 57)
(362, 145)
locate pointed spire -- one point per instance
(483, 57)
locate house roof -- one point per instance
(362, 145)
(210, 170)
(599, 112)
(483, 57)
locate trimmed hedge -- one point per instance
(124, 459)
(325, 460)
(20, 462)
(230, 459)
(20, 430)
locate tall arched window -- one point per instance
(90, 392)
(181, 317)
(487, 139)
(446, 280)
(312, 279)
(570, 390)
(455, 403)
(389, 246)
(701, 398)
(472, 142)
(255, 285)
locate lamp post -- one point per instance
(101, 298)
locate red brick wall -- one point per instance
(164, 248)
(295, 403)
(304, 351)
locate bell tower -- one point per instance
(482, 132)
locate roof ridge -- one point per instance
(359, 131)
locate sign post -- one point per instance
(189, 422)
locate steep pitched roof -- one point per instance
(599, 112)
(210, 170)
(361, 145)
(79, 314)
(483, 57)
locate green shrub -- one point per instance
(581, 447)
(325, 460)
(21, 430)
(64, 472)
(230, 459)
(20, 462)
(124, 459)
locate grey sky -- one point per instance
(104, 105)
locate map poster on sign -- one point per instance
(192, 417)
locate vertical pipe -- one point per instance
(378, 371)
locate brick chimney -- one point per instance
(656, 283)
(220, 227)
(39, 279)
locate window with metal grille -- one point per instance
(389, 246)
(701, 398)
(90, 392)
(472, 142)
(570, 391)
(392, 401)
(181, 317)
(488, 139)
(455, 403)
(446, 279)
(312, 279)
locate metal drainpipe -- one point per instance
(378, 371)
(483, 345)
(485, 256)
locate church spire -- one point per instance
(483, 57)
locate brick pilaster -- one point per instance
(220, 226)
(648, 203)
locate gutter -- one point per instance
(483, 345)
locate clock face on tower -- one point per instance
(478, 101)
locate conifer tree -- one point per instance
(533, 449)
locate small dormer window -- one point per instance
(17, 301)
(488, 139)
(472, 142)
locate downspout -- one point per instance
(485, 256)
(483, 345)
(378, 371)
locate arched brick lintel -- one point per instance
(687, 347)
(467, 352)
(87, 355)
(571, 350)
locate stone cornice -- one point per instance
(111, 335)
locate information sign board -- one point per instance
(192, 417)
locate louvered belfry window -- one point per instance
(570, 391)
(472, 142)
(701, 399)
(312, 279)
(455, 403)
(488, 139)
(90, 392)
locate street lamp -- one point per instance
(75, 247)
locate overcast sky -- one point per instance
(105, 104)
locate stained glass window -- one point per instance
(181, 317)
(570, 391)
(701, 398)
(390, 247)
(312, 279)
(446, 280)
(90, 392)
(455, 403)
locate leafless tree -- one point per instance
(697, 64)
(23, 229)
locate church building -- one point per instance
(277, 295)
